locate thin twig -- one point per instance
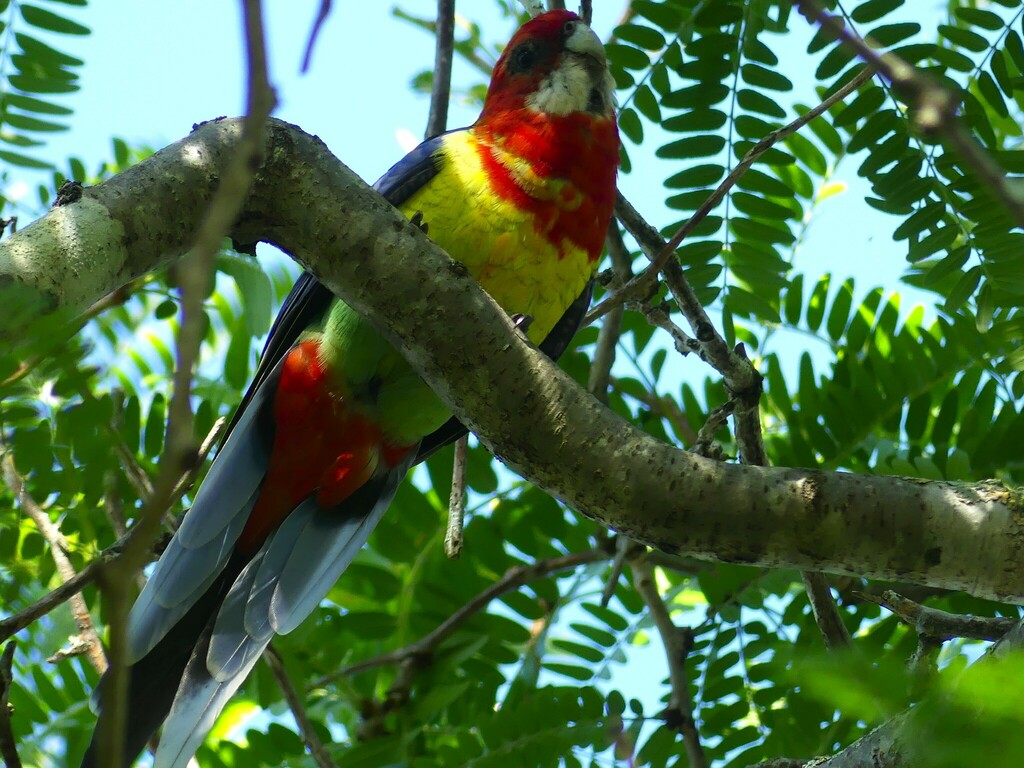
(457, 501)
(705, 443)
(11, 625)
(826, 613)
(321, 16)
(513, 579)
(180, 454)
(623, 547)
(678, 642)
(737, 370)
(440, 90)
(611, 329)
(8, 744)
(91, 644)
(941, 625)
(186, 480)
(643, 284)
(309, 735)
(934, 106)
(587, 11)
(14, 624)
(681, 340)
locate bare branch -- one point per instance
(705, 444)
(457, 501)
(587, 11)
(8, 745)
(611, 329)
(316, 747)
(624, 548)
(321, 16)
(826, 612)
(743, 383)
(678, 642)
(437, 120)
(941, 625)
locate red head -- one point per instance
(554, 64)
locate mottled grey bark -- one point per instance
(967, 537)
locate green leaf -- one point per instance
(762, 77)
(629, 124)
(647, 104)
(833, 62)
(23, 161)
(755, 101)
(236, 362)
(39, 53)
(758, 181)
(990, 92)
(48, 84)
(31, 104)
(43, 19)
(694, 146)
(963, 38)
(817, 303)
(695, 121)
(964, 288)
(840, 314)
(26, 123)
(627, 56)
(978, 17)
(891, 34)
(697, 176)
(873, 10)
(155, 427)
(640, 36)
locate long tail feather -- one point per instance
(156, 676)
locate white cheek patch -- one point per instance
(565, 90)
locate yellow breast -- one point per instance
(501, 244)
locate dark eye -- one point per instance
(523, 58)
(568, 29)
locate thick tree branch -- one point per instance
(955, 536)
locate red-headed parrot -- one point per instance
(335, 416)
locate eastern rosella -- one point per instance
(336, 417)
